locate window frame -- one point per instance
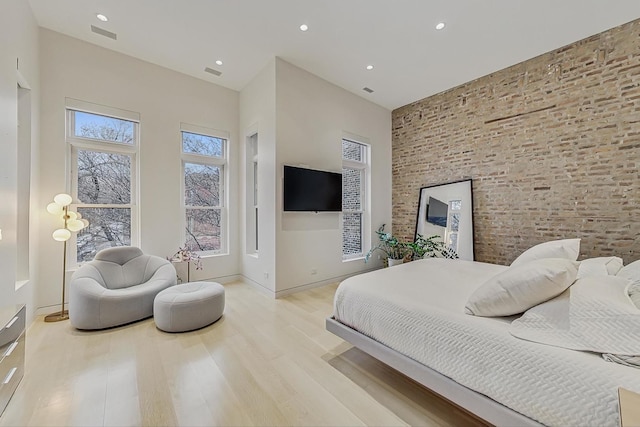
(252, 240)
(449, 232)
(24, 148)
(75, 143)
(365, 167)
(217, 161)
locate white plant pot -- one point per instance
(182, 271)
(393, 262)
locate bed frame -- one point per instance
(474, 402)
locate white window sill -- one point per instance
(21, 283)
(214, 255)
(357, 258)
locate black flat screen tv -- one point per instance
(310, 190)
(437, 212)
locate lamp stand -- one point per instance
(62, 314)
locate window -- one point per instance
(453, 224)
(23, 163)
(355, 167)
(203, 166)
(103, 164)
(252, 194)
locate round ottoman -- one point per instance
(188, 306)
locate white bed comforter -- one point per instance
(417, 309)
(594, 314)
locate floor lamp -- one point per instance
(72, 222)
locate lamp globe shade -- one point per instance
(61, 234)
(71, 215)
(54, 208)
(63, 199)
(75, 225)
(85, 222)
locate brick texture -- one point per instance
(552, 145)
(352, 198)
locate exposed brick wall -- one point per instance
(552, 145)
(351, 223)
(352, 199)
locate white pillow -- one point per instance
(632, 272)
(566, 248)
(601, 266)
(522, 286)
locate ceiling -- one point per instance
(411, 59)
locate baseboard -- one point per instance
(258, 286)
(48, 309)
(224, 279)
(318, 284)
(300, 288)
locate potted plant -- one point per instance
(394, 249)
(431, 246)
(182, 261)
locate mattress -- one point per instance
(417, 309)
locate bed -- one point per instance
(412, 318)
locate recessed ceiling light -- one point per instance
(440, 25)
(369, 67)
(304, 27)
(218, 62)
(102, 17)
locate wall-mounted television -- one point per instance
(437, 212)
(310, 190)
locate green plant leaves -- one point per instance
(421, 247)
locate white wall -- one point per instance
(18, 45)
(300, 119)
(313, 115)
(258, 114)
(164, 98)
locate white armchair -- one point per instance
(117, 287)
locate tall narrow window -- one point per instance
(252, 193)
(355, 165)
(103, 162)
(203, 164)
(24, 184)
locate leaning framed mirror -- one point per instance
(446, 210)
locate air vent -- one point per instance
(105, 33)
(367, 89)
(212, 71)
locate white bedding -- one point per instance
(594, 314)
(417, 309)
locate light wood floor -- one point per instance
(266, 362)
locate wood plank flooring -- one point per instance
(266, 362)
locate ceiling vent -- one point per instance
(105, 33)
(212, 71)
(367, 89)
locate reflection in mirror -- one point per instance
(446, 210)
